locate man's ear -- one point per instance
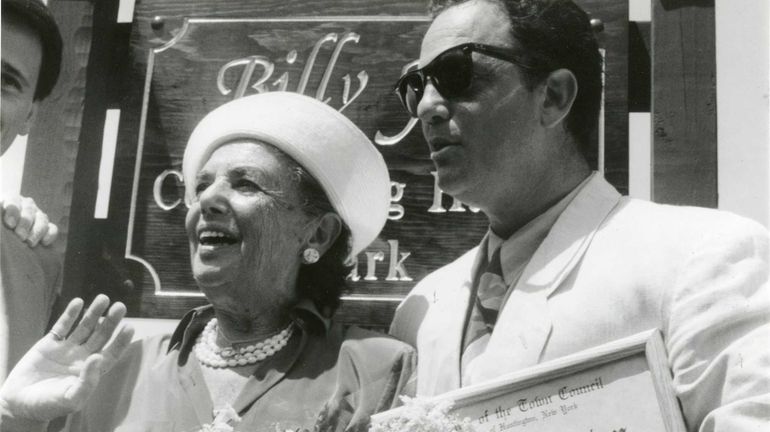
(30, 120)
(561, 88)
(326, 232)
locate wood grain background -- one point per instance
(182, 91)
(52, 145)
(684, 103)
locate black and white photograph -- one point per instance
(385, 216)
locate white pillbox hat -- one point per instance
(327, 144)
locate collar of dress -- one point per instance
(305, 315)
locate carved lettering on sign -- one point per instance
(396, 269)
(267, 67)
(396, 193)
(371, 264)
(158, 185)
(363, 79)
(250, 64)
(396, 211)
(331, 37)
(436, 207)
(380, 138)
(347, 37)
(325, 61)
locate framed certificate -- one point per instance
(624, 386)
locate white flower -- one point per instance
(217, 427)
(225, 420)
(421, 415)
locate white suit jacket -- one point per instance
(611, 267)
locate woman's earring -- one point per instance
(310, 256)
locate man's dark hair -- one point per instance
(36, 15)
(555, 34)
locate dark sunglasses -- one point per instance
(451, 73)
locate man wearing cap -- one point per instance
(508, 94)
(31, 57)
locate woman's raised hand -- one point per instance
(58, 374)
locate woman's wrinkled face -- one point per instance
(247, 228)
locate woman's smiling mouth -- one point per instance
(215, 238)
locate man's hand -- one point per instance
(58, 374)
(22, 215)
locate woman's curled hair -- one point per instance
(324, 281)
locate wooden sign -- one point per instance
(351, 63)
(622, 386)
(180, 73)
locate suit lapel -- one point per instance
(569, 238)
(524, 323)
(440, 339)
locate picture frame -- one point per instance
(624, 385)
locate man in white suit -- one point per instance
(508, 93)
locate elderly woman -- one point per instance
(282, 190)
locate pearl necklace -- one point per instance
(210, 354)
